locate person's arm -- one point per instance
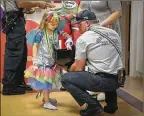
(78, 65)
(112, 18)
(35, 48)
(31, 4)
(115, 7)
(69, 41)
(34, 54)
(55, 9)
(80, 55)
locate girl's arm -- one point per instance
(34, 50)
(34, 53)
(35, 47)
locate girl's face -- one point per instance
(52, 25)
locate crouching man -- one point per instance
(103, 59)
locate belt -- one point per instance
(46, 66)
(107, 75)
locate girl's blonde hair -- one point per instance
(48, 17)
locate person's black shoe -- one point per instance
(13, 91)
(109, 109)
(27, 87)
(62, 89)
(91, 111)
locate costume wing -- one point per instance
(31, 36)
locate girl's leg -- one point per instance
(51, 100)
(46, 95)
(47, 104)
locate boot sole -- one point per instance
(93, 113)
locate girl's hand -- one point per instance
(69, 43)
(35, 67)
(68, 46)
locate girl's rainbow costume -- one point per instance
(47, 74)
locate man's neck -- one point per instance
(94, 24)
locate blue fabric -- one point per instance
(47, 66)
(36, 85)
(38, 37)
(61, 25)
(34, 36)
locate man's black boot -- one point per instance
(62, 89)
(24, 85)
(13, 91)
(91, 110)
(110, 109)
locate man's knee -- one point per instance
(65, 77)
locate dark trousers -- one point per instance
(78, 82)
(15, 55)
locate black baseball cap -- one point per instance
(86, 15)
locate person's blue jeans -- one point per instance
(77, 83)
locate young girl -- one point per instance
(44, 73)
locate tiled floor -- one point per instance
(27, 105)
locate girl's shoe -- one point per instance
(49, 106)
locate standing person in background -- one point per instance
(108, 13)
(16, 49)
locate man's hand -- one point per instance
(44, 5)
(29, 11)
(70, 16)
(54, 9)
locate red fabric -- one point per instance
(2, 52)
(67, 29)
(75, 32)
(77, 1)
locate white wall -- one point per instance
(137, 39)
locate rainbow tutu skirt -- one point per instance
(43, 78)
